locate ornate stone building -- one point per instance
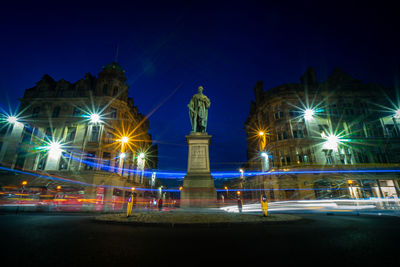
(89, 131)
(340, 124)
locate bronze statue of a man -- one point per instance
(198, 111)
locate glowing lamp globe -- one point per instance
(331, 142)
(12, 119)
(308, 114)
(397, 114)
(125, 139)
(54, 149)
(94, 118)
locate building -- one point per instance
(298, 132)
(89, 131)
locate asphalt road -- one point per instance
(71, 240)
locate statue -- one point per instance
(198, 111)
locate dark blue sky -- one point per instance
(225, 47)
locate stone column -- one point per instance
(198, 185)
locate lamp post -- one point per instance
(263, 140)
(141, 165)
(124, 140)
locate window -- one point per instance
(106, 161)
(328, 156)
(70, 134)
(64, 162)
(56, 112)
(94, 137)
(42, 161)
(19, 163)
(108, 137)
(36, 112)
(3, 131)
(115, 92)
(294, 134)
(49, 133)
(76, 112)
(105, 89)
(292, 113)
(26, 136)
(90, 160)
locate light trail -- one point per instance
(316, 206)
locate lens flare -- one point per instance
(309, 114)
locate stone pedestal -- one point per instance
(198, 185)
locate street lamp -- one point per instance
(263, 140)
(309, 114)
(94, 118)
(265, 165)
(124, 139)
(397, 114)
(54, 149)
(141, 165)
(12, 119)
(332, 142)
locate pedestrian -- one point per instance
(240, 205)
(160, 204)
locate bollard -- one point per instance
(264, 205)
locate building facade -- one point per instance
(89, 131)
(298, 132)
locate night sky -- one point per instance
(225, 48)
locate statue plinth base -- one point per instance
(198, 185)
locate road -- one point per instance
(77, 240)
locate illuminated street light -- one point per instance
(58, 187)
(122, 155)
(125, 139)
(141, 156)
(54, 148)
(397, 114)
(24, 183)
(12, 119)
(265, 166)
(309, 114)
(331, 142)
(261, 133)
(95, 118)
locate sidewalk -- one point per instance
(184, 217)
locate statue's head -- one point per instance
(200, 89)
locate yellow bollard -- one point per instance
(129, 208)
(264, 205)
